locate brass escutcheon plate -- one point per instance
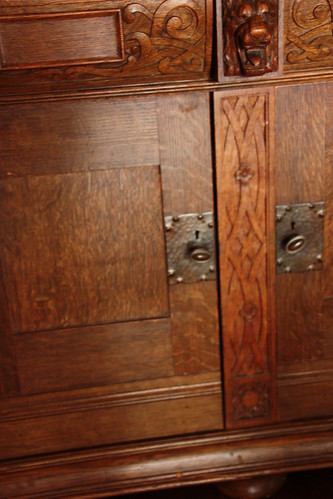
(299, 237)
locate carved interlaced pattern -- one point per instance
(309, 33)
(244, 267)
(243, 165)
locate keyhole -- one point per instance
(293, 225)
(197, 232)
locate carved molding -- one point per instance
(309, 39)
(250, 37)
(242, 177)
(161, 39)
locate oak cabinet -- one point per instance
(166, 195)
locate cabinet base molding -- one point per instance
(209, 458)
(253, 488)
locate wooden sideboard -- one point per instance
(166, 233)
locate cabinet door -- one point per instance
(305, 299)
(277, 326)
(96, 347)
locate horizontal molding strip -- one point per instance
(170, 463)
(38, 410)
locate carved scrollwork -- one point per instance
(159, 38)
(250, 37)
(168, 38)
(309, 33)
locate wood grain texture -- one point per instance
(299, 319)
(107, 425)
(300, 129)
(115, 395)
(308, 34)
(79, 136)
(250, 37)
(300, 178)
(9, 384)
(195, 333)
(186, 169)
(61, 39)
(185, 153)
(328, 179)
(163, 40)
(244, 156)
(77, 248)
(307, 399)
(93, 356)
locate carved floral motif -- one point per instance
(251, 401)
(309, 40)
(250, 37)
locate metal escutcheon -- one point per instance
(190, 245)
(299, 237)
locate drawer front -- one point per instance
(122, 41)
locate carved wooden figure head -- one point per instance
(250, 37)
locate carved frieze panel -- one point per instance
(309, 34)
(250, 31)
(243, 164)
(158, 40)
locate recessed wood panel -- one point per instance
(58, 39)
(305, 398)
(78, 136)
(93, 356)
(83, 248)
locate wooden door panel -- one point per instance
(50, 138)
(304, 305)
(83, 248)
(108, 423)
(93, 356)
(187, 181)
(328, 179)
(299, 179)
(93, 353)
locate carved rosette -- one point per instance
(309, 40)
(243, 164)
(250, 30)
(251, 401)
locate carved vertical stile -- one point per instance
(244, 155)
